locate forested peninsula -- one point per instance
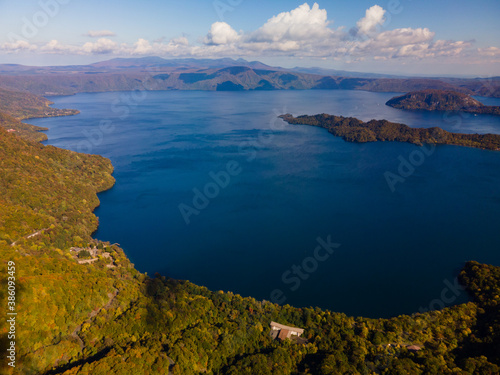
(83, 308)
(16, 106)
(354, 130)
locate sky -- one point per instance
(418, 37)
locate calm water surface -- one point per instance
(398, 250)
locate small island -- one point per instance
(354, 130)
(441, 100)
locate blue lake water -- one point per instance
(290, 185)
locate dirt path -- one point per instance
(94, 313)
(78, 328)
(37, 233)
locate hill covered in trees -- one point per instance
(441, 100)
(25, 131)
(84, 309)
(155, 73)
(354, 130)
(16, 106)
(23, 105)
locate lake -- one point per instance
(213, 188)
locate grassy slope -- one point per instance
(96, 319)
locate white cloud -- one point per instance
(18, 46)
(142, 47)
(401, 37)
(221, 33)
(449, 47)
(99, 33)
(102, 46)
(388, 43)
(182, 40)
(407, 43)
(489, 51)
(55, 46)
(301, 24)
(175, 47)
(414, 50)
(373, 18)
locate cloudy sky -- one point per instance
(390, 36)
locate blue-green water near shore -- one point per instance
(288, 186)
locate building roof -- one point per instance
(284, 334)
(288, 328)
(414, 348)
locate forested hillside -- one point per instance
(155, 73)
(16, 106)
(354, 130)
(23, 105)
(441, 100)
(25, 131)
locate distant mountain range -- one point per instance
(343, 73)
(155, 73)
(136, 64)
